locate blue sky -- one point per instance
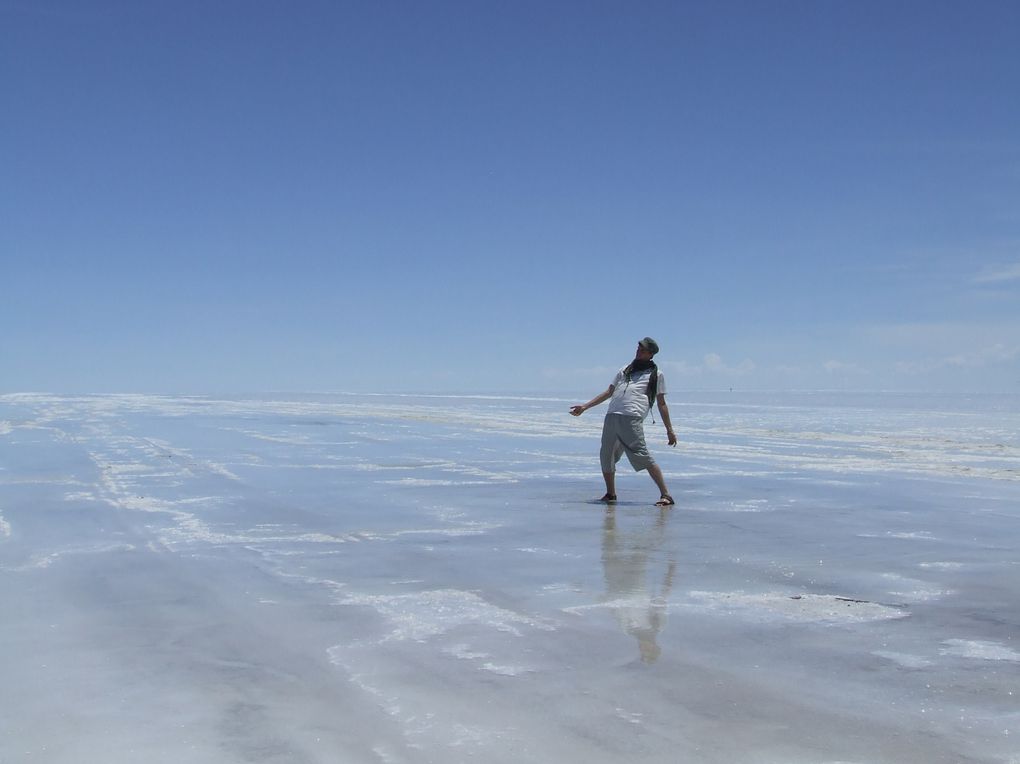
(213, 197)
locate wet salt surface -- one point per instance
(417, 579)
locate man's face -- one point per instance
(642, 353)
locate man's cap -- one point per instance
(650, 345)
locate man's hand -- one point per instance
(577, 410)
(671, 436)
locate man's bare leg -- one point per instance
(610, 478)
(656, 472)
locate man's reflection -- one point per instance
(637, 587)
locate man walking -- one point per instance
(632, 392)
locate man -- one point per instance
(632, 392)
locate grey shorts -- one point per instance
(624, 434)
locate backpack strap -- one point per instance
(653, 389)
(653, 384)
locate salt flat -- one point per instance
(341, 578)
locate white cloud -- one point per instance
(998, 274)
(997, 353)
(842, 367)
(942, 339)
(712, 363)
(971, 355)
(988, 356)
(591, 372)
(683, 369)
(788, 370)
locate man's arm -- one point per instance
(578, 410)
(664, 413)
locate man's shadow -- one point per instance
(639, 577)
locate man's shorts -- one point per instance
(624, 434)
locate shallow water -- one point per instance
(418, 579)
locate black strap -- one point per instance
(653, 381)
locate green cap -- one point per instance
(650, 345)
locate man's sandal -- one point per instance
(608, 497)
(665, 501)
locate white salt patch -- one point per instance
(903, 659)
(465, 653)
(422, 615)
(620, 603)
(915, 591)
(496, 668)
(799, 607)
(751, 505)
(332, 465)
(385, 756)
(127, 468)
(291, 440)
(42, 481)
(987, 651)
(432, 482)
(630, 717)
(79, 496)
(189, 529)
(473, 529)
(389, 703)
(45, 560)
(5, 527)
(561, 588)
(366, 467)
(447, 514)
(465, 529)
(221, 469)
(920, 595)
(328, 583)
(942, 565)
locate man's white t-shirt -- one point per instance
(630, 397)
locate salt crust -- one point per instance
(986, 651)
(903, 659)
(821, 608)
(419, 616)
(920, 450)
(41, 561)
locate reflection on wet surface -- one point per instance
(639, 575)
